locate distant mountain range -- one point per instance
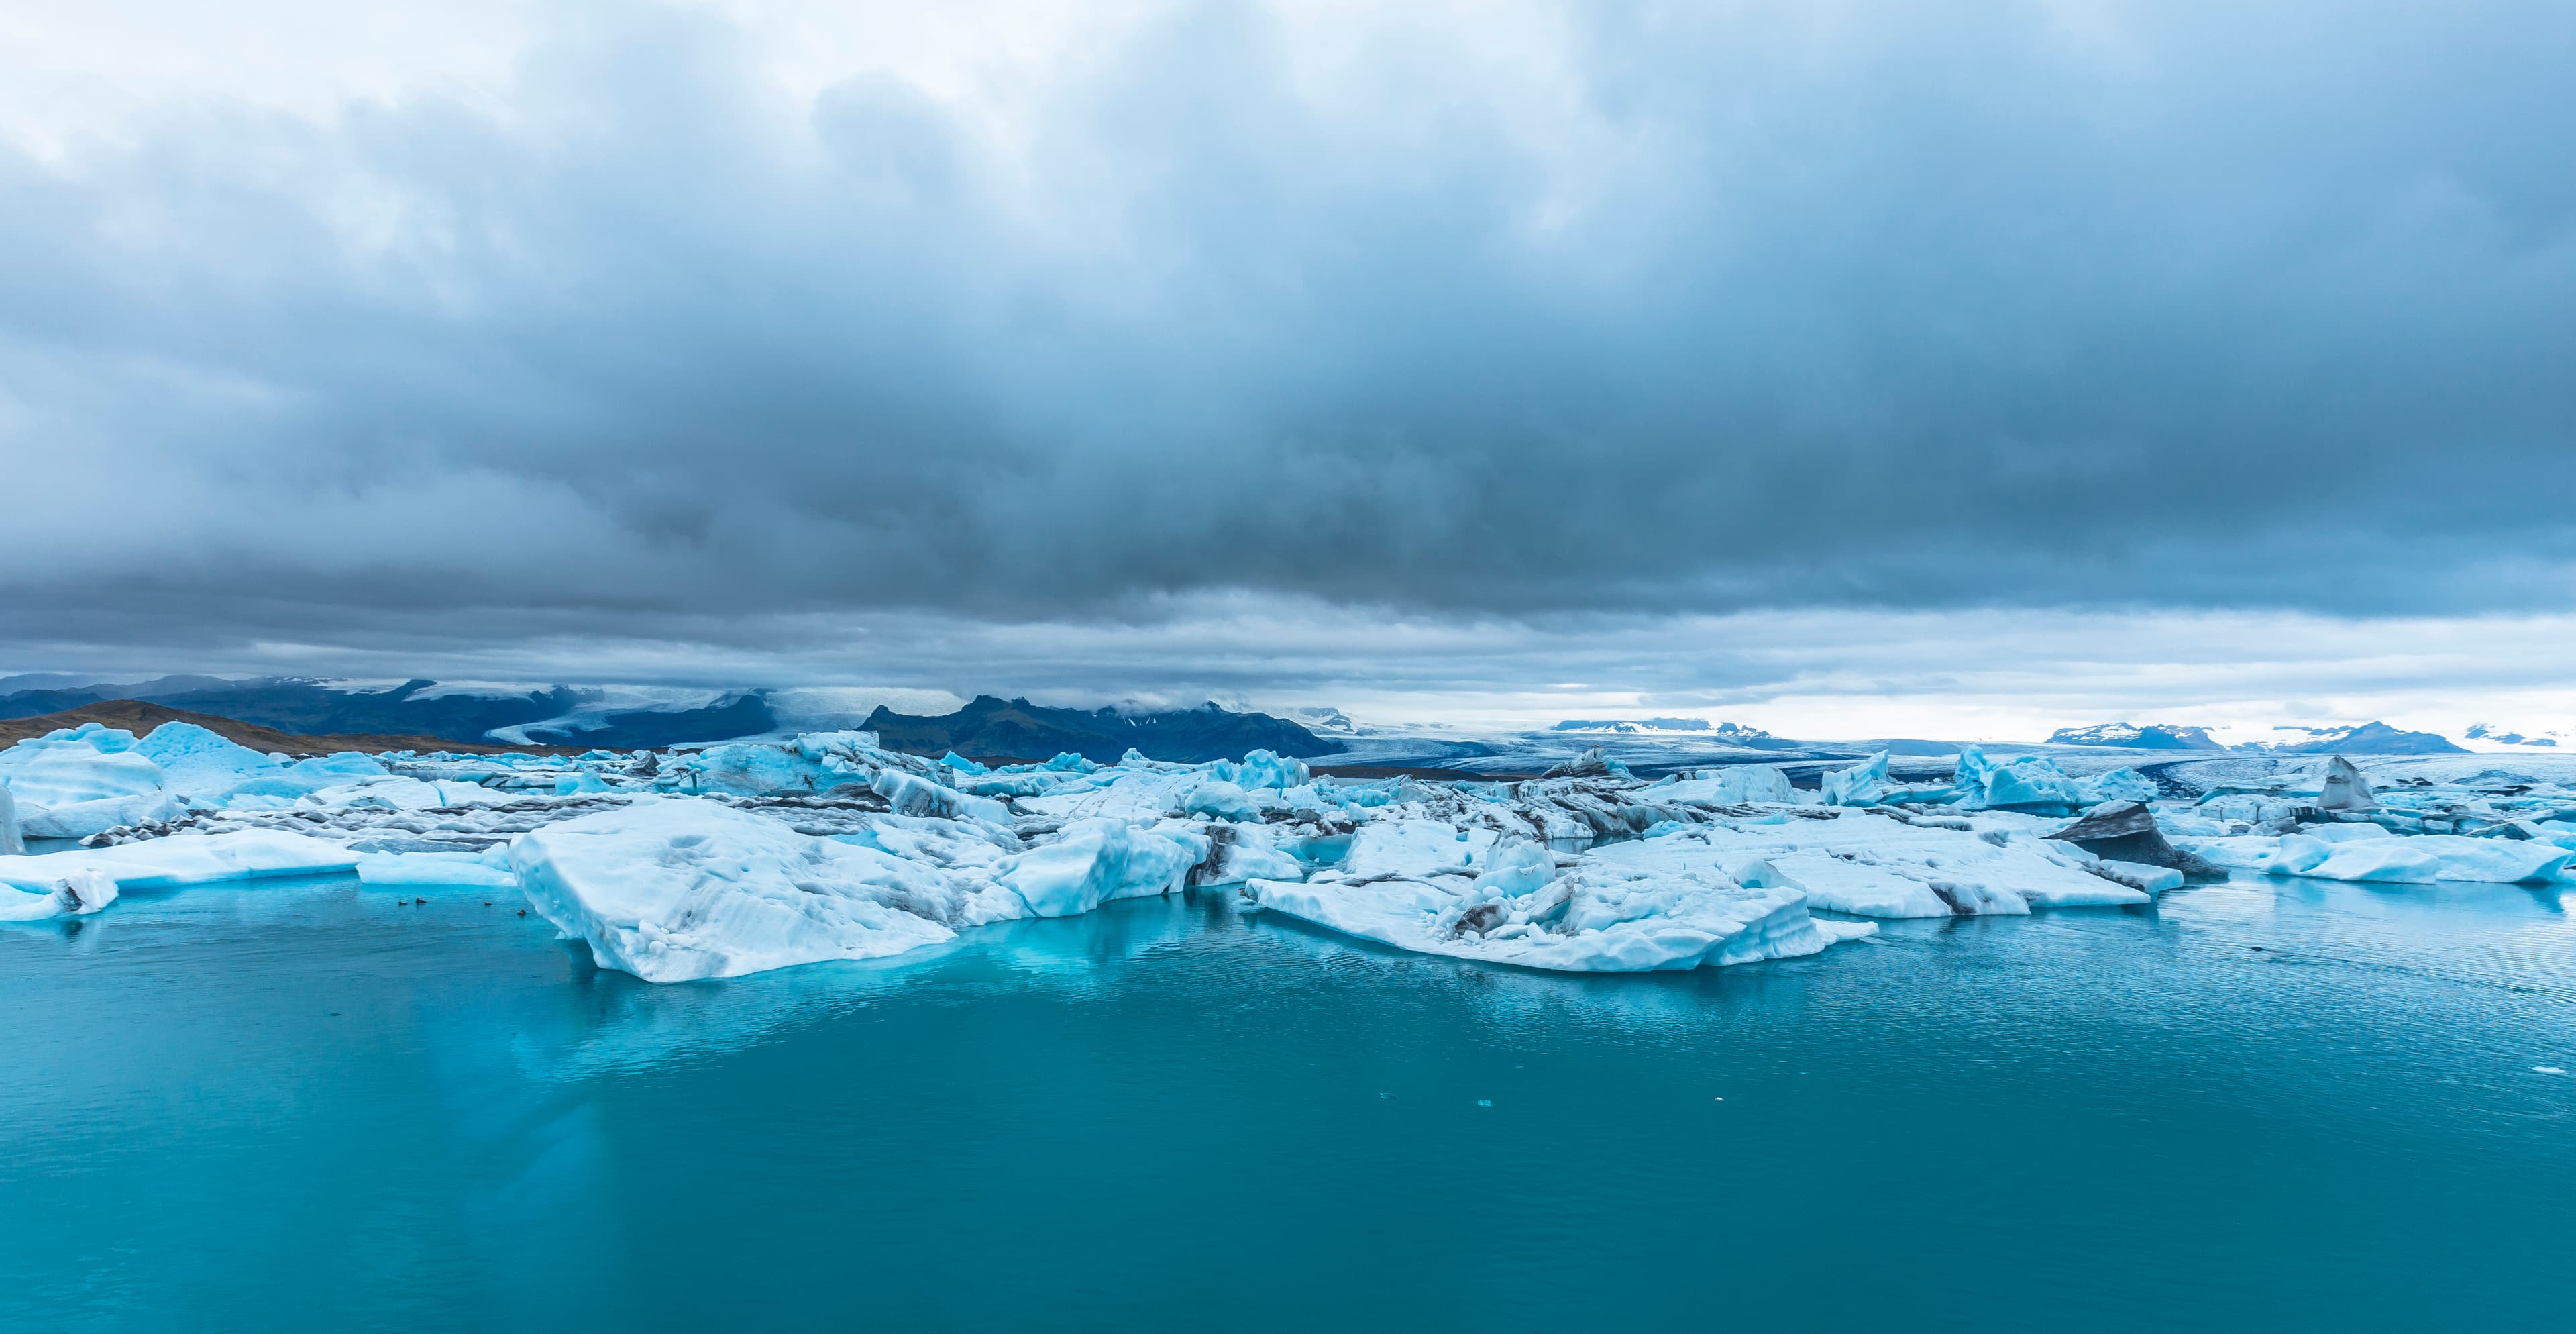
(626, 719)
(573, 716)
(2130, 736)
(1736, 733)
(2366, 739)
(992, 726)
(303, 706)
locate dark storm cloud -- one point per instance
(2182, 306)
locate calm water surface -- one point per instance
(306, 1107)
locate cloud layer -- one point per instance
(674, 326)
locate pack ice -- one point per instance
(722, 860)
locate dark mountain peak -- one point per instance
(990, 726)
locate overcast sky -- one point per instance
(1994, 365)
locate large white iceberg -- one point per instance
(84, 781)
(1095, 861)
(673, 889)
(2368, 854)
(81, 781)
(1872, 865)
(1639, 906)
(183, 860)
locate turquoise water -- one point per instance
(306, 1107)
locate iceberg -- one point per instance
(2369, 854)
(1241, 852)
(912, 794)
(72, 768)
(185, 859)
(2127, 831)
(81, 781)
(10, 840)
(197, 763)
(2022, 782)
(75, 895)
(1095, 861)
(1870, 865)
(1261, 769)
(88, 819)
(2344, 789)
(1863, 784)
(673, 890)
(1629, 907)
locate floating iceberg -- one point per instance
(185, 859)
(1875, 865)
(2367, 853)
(672, 889)
(1630, 907)
(77, 894)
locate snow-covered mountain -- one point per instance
(2131, 736)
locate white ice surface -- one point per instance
(186, 859)
(1639, 906)
(76, 894)
(2379, 857)
(671, 889)
(1873, 866)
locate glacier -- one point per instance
(720, 860)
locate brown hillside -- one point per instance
(133, 715)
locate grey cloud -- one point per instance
(1847, 306)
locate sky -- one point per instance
(1841, 368)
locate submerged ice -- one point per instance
(722, 860)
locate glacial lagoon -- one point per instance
(2259, 1104)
